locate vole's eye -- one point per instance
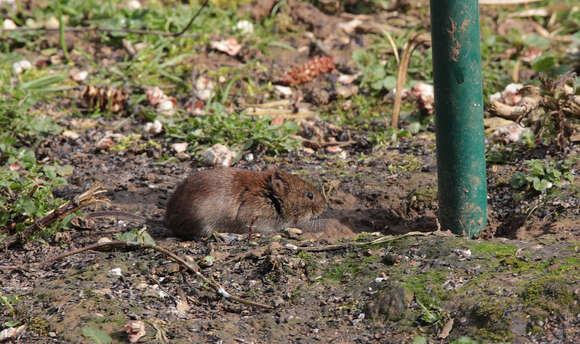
(309, 195)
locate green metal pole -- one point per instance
(462, 183)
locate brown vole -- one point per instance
(233, 200)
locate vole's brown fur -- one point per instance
(232, 200)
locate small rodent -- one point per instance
(233, 200)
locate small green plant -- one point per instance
(237, 131)
(4, 301)
(431, 315)
(26, 188)
(543, 175)
(374, 72)
(137, 235)
(389, 135)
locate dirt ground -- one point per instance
(518, 282)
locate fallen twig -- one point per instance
(380, 240)
(414, 42)
(191, 20)
(131, 244)
(91, 196)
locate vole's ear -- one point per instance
(278, 183)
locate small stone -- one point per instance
(134, 5)
(180, 147)
(79, 76)
(219, 155)
(115, 272)
(333, 149)
(51, 23)
(346, 91)
(292, 247)
(249, 157)
(284, 91)
(8, 24)
(244, 27)
(291, 233)
(69, 134)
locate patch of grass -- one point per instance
(237, 131)
(26, 184)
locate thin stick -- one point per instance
(93, 195)
(191, 20)
(117, 243)
(413, 43)
(380, 240)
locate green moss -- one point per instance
(489, 248)
(38, 325)
(551, 293)
(428, 286)
(348, 268)
(493, 324)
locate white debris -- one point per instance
(133, 4)
(244, 27)
(510, 95)
(180, 147)
(509, 134)
(292, 247)
(51, 23)
(11, 333)
(204, 88)
(350, 26)
(359, 319)
(464, 254)
(69, 134)
(284, 91)
(20, 66)
(8, 24)
(162, 103)
(135, 330)
(115, 272)
(219, 155)
(425, 96)
(229, 46)
(79, 75)
(154, 127)
(104, 240)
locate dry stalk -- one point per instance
(414, 42)
(380, 240)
